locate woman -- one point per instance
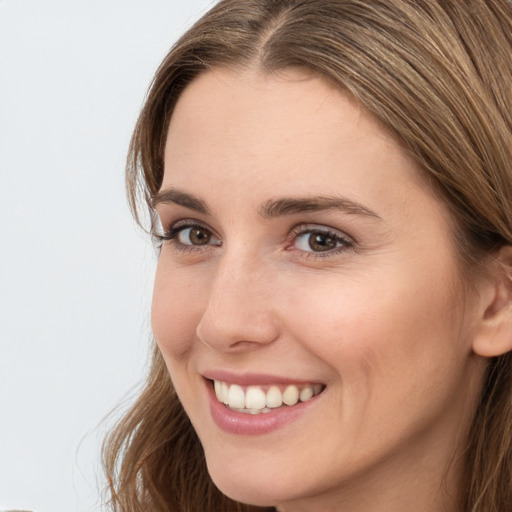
(330, 182)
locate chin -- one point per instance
(252, 486)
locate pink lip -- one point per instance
(254, 424)
(252, 379)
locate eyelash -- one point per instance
(171, 234)
(342, 241)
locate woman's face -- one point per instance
(305, 255)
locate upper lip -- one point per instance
(253, 379)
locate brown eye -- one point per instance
(319, 241)
(195, 235)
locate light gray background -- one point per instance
(75, 275)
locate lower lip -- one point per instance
(254, 424)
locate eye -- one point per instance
(320, 240)
(186, 235)
(194, 235)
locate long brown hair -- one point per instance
(438, 73)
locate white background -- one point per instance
(75, 274)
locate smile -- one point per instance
(263, 399)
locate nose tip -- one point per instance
(233, 331)
(238, 314)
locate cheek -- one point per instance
(175, 312)
(385, 334)
(395, 370)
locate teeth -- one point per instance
(274, 397)
(306, 394)
(236, 397)
(217, 385)
(254, 400)
(291, 395)
(224, 397)
(252, 411)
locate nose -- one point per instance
(238, 313)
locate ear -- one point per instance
(493, 336)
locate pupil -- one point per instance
(321, 242)
(199, 237)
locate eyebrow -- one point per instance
(172, 195)
(291, 205)
(273, 207)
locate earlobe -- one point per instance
(493, 336)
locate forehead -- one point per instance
(294, 119)
(232, 104)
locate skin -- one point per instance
(382, 319)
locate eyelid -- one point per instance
(171, 235)
(347, 242)
(176, 226)
(311, 227)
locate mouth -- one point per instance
(265, 398)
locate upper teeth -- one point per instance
(256, 399)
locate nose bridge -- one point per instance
(238, 311)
